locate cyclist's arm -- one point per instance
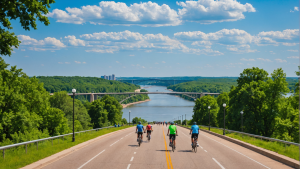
(136, 129)
(168, 131)
(176, 132)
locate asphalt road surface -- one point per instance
(121, 151)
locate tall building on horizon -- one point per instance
(110, 77)
(113, 77)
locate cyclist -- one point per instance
(173, 133)
(195, 132)
(139, 130)
(149, 129)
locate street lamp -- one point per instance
(73, 91)
(224, 105)
(129, 117)
(242, 119)
(209, 117)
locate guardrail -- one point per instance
(44, 139)
(257, 136)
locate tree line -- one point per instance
(267, 111)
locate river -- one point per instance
(162, 107)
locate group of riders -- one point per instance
(172, 131)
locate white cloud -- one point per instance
(48, 43)
(23, 50)
(151, 14)
(295, 9)
(292, 50)
(26, 56)
(77, 62)
(243, 59)
(124, 67)
(210, 11)
(290, 44)
(272, 52)
(131, 55)
(42, 64)
(265, 60)
(280, 60)
(163, 62)
(67, 63)
(117, 62)
(118, 13)
(60, 62)
(83, 62)
(75, 42)
(293, 57)
(143, 67)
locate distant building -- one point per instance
(102, 77)
(110, 77)
(113, 77)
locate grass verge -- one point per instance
(17, 158)
(280, 148)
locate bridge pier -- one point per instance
(92, 98)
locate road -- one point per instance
(121, 151)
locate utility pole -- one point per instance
(185, 119)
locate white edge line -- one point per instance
(91, 159)
(131, 158)
(128, 166)
(237, 152)
(205, 150)
(218, 163)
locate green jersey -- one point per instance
(172, 129)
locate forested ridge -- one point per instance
(267, 111)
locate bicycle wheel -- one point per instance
(173, 147)
(195, 150)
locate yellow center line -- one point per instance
(167, 153)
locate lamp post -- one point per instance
(209, 117)
(224, 105)
(242, 120)
(129, 117)
(73, 139)
(185, 119)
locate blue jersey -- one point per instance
(140, 127)
(195, 129)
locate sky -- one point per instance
(211, 38)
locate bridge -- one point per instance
(193, 95)
(167, 81)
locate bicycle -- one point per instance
(194, 145)
(172, 145)
(140, 140)
(148, 135)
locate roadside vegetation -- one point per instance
(17, 158)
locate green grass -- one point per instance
(280, 148)
(17, 158)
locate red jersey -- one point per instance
(149, 127)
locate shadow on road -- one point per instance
(133, 145)
(184, 151)
(164, 150)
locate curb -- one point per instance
(278, 157)
(54, 157)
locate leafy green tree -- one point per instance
(24, 105)
(124, 121)
(136, 120)
(25, 10)
(259, 96)
(221, 99)
(114, 109)
(201, 112)
(62, 101)
(98, 114)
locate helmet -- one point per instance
(172, 123)
(148, 122)
(195, 123)
(139, 122)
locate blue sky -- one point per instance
(161, 38)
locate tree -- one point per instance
(27, 11)
(114, 109)
(98, 114)
(201, 112)
(124, 121)
(24, 105)
(221, 99)
(62, 101)
(136, 120)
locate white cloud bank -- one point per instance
(152, 14)
(48, 43)
(295, 9)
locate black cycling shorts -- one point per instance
(172, 136)
(148, 131)
(195, 135)
(140, 133)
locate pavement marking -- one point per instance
(128, 166)
(131, 158)
(134, 153)
(91, 159)
(167, 152)
(114, 143)
(218, 163)
(238, 152)
(205, 150)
